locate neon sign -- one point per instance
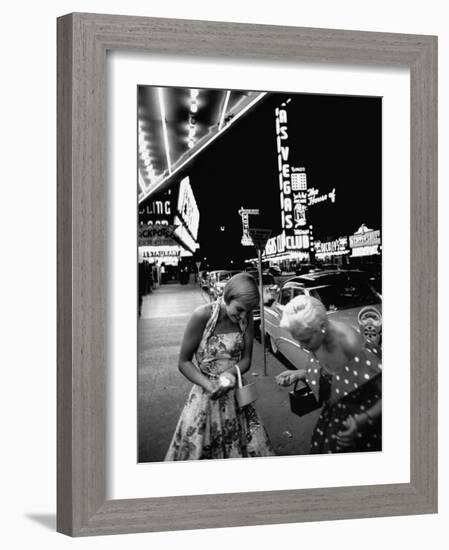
(365, 241)
(336, 247)
(285, 184)
(314, 198)
(245, 213)
(187, 207)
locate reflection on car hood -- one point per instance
(350, 316)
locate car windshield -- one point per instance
(226, 276)
(267, 279)
(344, 296)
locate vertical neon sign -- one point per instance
(283, 151)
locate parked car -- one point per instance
(274, 270)
(306, 268)
(204, 279)
(344, 293)
(218, 280)
(270, 292)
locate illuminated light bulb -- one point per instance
(194, 93)
(191, 143)
(192, 131)
(194, 107)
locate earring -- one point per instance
(323, 331)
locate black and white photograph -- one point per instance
(259, 274)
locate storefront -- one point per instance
(168, 230)
(287, 252)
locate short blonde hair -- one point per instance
(303, 312)
(242, 287)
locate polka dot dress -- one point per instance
(353, 390)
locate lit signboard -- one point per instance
(184, 236)
(156, 235)
(365, 241)
(336, 247)
(292, 181)
(160, 252)
(157, 210)
(314, 198)
(187, 208)
(245, 213)
(285, 243)
(177, 211)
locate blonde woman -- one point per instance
(343, 371)
(218, 337)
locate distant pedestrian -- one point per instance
(351, 416)
(141, 283)
(218, 337)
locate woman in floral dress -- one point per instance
(218, 337)
(343, 371)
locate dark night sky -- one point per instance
(336, 138)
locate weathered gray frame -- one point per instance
(83, 40)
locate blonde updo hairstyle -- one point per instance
(242, 287)
(304, 312)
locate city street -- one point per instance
(162, 389)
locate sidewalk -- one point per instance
(162, 390)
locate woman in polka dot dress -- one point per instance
(343, 371)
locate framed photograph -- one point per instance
(246, 232)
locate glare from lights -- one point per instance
(223, 112)
(162, 178)
(164, 126)
(145, 155)
(142, 183)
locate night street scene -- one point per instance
(259, 276)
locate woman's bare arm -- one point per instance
(190, 342)
(245, 361)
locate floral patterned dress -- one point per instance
(217, 428)
(352, 390)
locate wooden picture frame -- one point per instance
(83, 40)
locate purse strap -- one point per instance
(239, 376)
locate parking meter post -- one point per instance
(259, 237)
(262, 313)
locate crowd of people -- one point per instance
(217, 348)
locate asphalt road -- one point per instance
(162, 389)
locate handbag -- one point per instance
(303, 400)
(245, 394)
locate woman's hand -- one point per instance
(225, 382)
(289, 377)
(354, 425)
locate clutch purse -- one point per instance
(303, 400)
(245, 394)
